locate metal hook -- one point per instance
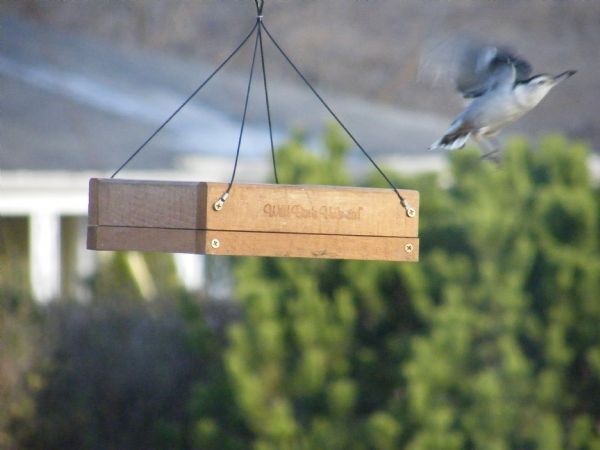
(410, 211)
(218, 205)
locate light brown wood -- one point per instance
(246, 243)
(256, 219)
(254, 207)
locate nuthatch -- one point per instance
(498, 84)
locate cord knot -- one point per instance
(259, 8)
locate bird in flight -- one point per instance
(497, 84)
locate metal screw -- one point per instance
(411, 212)
(218, 206)
(215, 243)
(408, 248)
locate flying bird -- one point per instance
(497, 84)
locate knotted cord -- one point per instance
(258, 27)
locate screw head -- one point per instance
(411, 212)
(218, 206)
(408, 248)
(215, 243)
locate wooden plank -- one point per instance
(313, 209)
(169, 240)
(254, 207)
(330, 246)
(246, 243)
(161, 204)
(93, 202)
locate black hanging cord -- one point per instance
(218, 205)
(264, 72)
(403, 201)
(258, 27)
(158, 130)
(259, 16)
(239, 144)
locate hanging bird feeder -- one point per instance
(259, 220)
(254, 219)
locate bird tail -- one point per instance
(451, 141)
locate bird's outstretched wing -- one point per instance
(472, 66)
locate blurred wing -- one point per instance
(488, 67)
(472, 67)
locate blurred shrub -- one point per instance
(510, 303)
(121, 374)
(19, 352)
(116, 377)
(490, 342)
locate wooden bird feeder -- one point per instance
(256, 219)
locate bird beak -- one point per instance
(563, 76)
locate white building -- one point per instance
(53, 207)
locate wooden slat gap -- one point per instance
(249, 231)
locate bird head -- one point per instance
(531, 91)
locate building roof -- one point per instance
(80, 104)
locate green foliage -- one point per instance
(216, 423)
(14, 264)
(133, 275)
(19, 350)
(297, 165)
(114, 376)
(513, 310)
(320, 344)
(490, 342)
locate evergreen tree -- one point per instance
(315, 362)
(289, 358)
(490, 342)
(511, 307)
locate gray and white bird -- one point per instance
(498, 84)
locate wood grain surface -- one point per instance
(256, 219)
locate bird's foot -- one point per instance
(494, 156)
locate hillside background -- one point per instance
(367, 48)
